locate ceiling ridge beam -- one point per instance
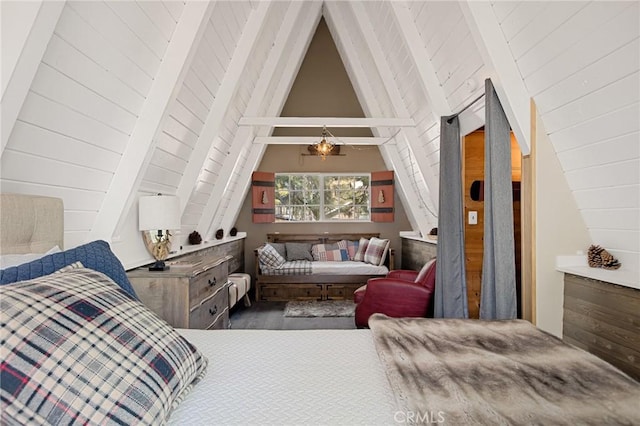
(244, 135)
(412, 140)
(505, 75)
(276, 103)
(223, 97)
(368, 101)
(309, 140)
(177, 59)
(326, 121)
(421, 60)
(25, 70)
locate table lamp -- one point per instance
(159, 213)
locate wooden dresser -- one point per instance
(192, 294)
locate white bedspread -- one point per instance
(347, 268)
(288, 377)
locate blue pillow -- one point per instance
(96, 255)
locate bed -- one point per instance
(323, 280)
(107, 359)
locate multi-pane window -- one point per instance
(322, 197)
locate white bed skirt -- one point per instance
(286, 377)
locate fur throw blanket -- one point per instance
(450, 371)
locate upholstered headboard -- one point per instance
(30, 223)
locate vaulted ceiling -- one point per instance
(105, 101)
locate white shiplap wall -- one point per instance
(80, 111)
(580, 62)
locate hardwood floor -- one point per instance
(270, 316)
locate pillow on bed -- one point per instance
(329, 253)
(298, 251)
(9, 260)
(362, 249)
(376, 251)
(269, 257)
(350, 246)
(79, 350)
(96, 255)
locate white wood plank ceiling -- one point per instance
(105, 101)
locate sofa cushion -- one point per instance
(298, 251)
(280, 248)
(269, 257)
(329, 253)
(350, 246)
(362, 248)
(376, 251)
(424, 271)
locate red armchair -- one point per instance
(402, 293)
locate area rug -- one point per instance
(325, 308)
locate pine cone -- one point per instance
(598, 257)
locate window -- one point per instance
(322, 197)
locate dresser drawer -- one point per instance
(211, 309)
(207, 283)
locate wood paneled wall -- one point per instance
(473, 169)
(604, 319)
(416, 253)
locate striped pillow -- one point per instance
(362, 249)
(82, 351)
(376, 251)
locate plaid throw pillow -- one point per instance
(269, 257)
(362, 249)
(76, 349)
(329, 253)
(350, 246)
(376, 251)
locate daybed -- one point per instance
(318, 280)
(78, 348)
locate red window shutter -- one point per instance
(382, 196)
(263, 194)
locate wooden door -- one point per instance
(473, 170)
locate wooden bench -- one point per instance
(278, 288)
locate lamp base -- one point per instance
(159, 266)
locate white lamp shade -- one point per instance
(159, 212)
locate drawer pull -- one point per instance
(212, 282)
(213, 310)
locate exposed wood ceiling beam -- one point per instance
(285, 78)
(125, 183)
(309, 140)
(222, 102)
(416, 149)
(326, 121)
(506, 78)
(213, 216)
(25, 69)
(369, 102)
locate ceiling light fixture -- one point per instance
(324, 148)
